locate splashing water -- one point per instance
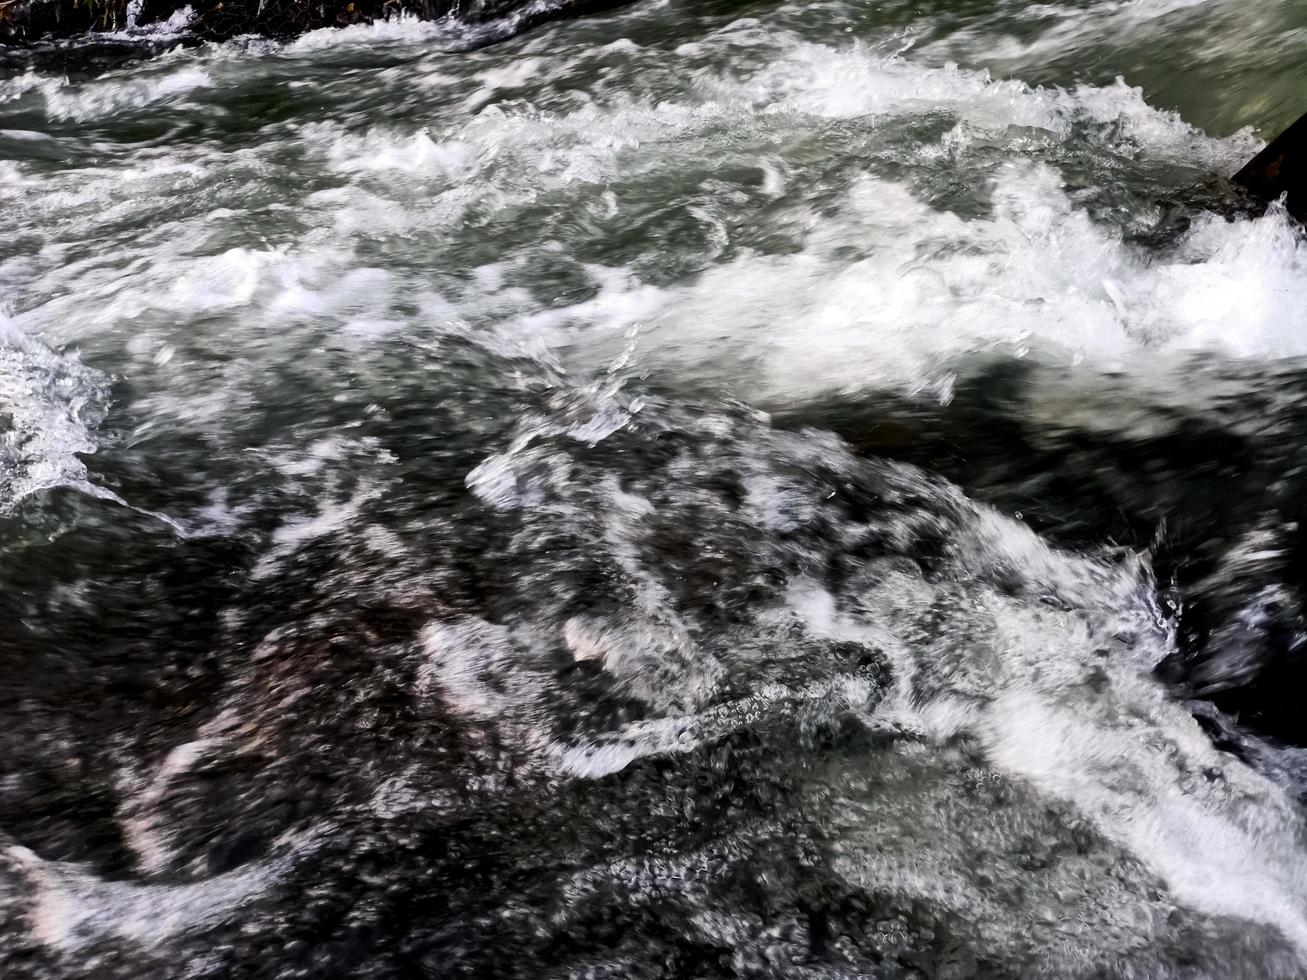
(731, 490)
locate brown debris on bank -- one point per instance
(26, 21)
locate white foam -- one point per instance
(300, 531)
(71, 908)
(402, 29)
(874, 287)
(1034, 683)
(146, 831)
(1239, 858)
(884, 289)
(110, 95)
(932, 287)
(16, 86)
(48, 402)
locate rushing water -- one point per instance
(713, 489)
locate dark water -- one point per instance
(708, 490)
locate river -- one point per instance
(720, 489)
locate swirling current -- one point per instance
(721, 489)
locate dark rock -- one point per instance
(1281, 169)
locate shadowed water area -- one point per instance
(703, 490)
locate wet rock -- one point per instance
(1281, 169)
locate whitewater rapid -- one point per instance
(455, 501)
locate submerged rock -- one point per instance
(23, 21)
